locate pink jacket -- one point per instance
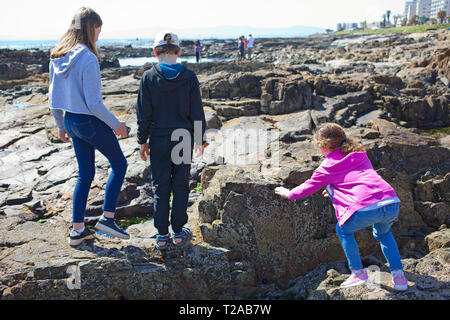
(351, 181)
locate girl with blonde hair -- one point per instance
(77, 105)
(360, 196)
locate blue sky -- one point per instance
(49, 19)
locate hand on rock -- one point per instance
(282, 192)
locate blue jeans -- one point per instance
(381, 220)
(89, 133)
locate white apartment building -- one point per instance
(438, 5)
(347, 26)
(423, 8)
(426, 8)
(410, 9)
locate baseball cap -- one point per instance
(164, 38)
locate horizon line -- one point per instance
(141, 38)
(188, 30)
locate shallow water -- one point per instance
(21, 105)
(435, 133)
(368, 116)
(140, 61)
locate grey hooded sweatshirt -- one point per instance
(75, 86)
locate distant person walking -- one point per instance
(77, 105)
(250, 46)
(198, 49)
(245, 42)
(241, 47)
(245, 45)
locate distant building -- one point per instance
(410, 9)
(439, 5)
(423, 8)
(347, 26)
(426, 8)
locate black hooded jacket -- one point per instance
(165, 105)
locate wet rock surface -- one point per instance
(247, 242)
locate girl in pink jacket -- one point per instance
(360, 196)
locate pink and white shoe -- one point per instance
(357, 278)
(399, 280)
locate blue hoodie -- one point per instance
(75, 86)
(171, 71)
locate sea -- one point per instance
(205, 35)
(116, 43)
(141, 61)
(48, 44)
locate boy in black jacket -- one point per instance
(169, 107)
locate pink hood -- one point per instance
(350, 181)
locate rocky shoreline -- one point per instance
(248, 243)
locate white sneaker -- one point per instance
(399, 280)
(357, 278)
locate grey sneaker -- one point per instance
(110, 226)
(75, 238)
